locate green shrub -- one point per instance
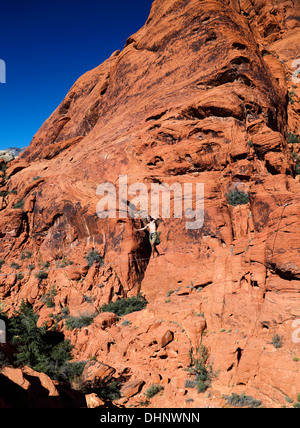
(277, 341)
(25, 255)
(237, 197)
(48, 298)
(3, 167)
(110, 391)
(296, 405)
(94, 256)
(201, 371)
(125, 306)
(189, 383)
(2, 262)
(15, 265)
(291, 97)
(32, 348)
(41, 275)
(4, 361)
(242, 400)
(64, 262)
(65, 312)
(80, 321)
(88, 299)
(19, 205)
(295, 157)
(153, 390)
(292, 138)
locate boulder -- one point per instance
(105, 320)
(132, 388)
(93, 401)
(95, 374)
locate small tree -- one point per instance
(32, 347)
(202, 372)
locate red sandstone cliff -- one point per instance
(203, 93)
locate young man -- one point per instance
(153, 235)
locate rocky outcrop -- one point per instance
(11, 153)
(26, 388)
(204, 93)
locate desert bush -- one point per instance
(94, 256)
(291, 97)
(153, 390)
(3, 167)
(296, 405)
(80, 321)
(15, 265)
(41, 275)
(277, 341)
(25, 255)
(19, 205)
(48, 298)
(242, 400)
(125, 306)
(292, 138)
(64, 262)
(237, 197)
(201, 371)
(110, 391)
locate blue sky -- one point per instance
(46, 46)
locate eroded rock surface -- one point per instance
(205, 93)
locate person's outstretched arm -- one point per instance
(143, 228)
